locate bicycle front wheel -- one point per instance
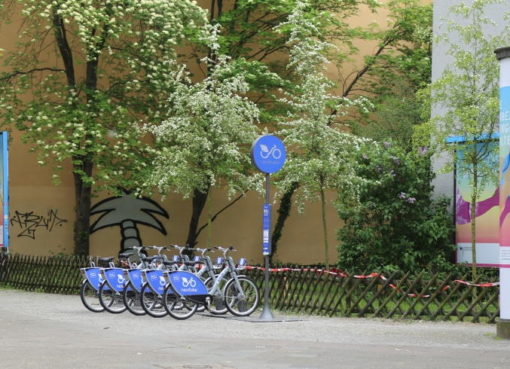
(90, 297)
(132, 300)
(110, 299)
(152, 302)
(241, 296)
(177, 306)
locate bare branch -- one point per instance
(20, 73)
(213, 4)
(272, 51)
(92, 65)
(64, 48)
(367, 67)
(347, 91)
(213, 218)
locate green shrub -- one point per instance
(396, 225)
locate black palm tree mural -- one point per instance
(127, 212)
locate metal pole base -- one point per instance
(503, 328)
(267, 314)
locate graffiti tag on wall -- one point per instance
(30, 222)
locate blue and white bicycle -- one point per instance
(92, 280)
(226, 291)
(135, 282)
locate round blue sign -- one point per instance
(268, 154)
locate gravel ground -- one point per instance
(41, 331)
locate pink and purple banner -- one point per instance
(487, 214)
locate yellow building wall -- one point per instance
(42, 214)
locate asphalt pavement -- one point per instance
(43, 331)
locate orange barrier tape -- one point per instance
(371, 275)
(276, 270)
(487, 284)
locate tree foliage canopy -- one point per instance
(115, 61)
(204, 140)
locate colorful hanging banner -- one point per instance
(487, 210)
(503, 56)
(504, 158)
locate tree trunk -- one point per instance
(83, 196)
(209, 223)
(198, 204)
(283, 214)
(324, 227)
(474, 196)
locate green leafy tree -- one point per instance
(248, 36)
(466, 98)
(114, 60)
(249, 26)
(389, 77)
(395, 225)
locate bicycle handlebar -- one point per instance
(202, 251)
(180, 248)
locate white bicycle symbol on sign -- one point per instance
(266, 152)
(188, 282)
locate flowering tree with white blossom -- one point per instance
(204, 141)
(321, 156)
(114, 67)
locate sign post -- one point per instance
(268, 155)
(503, 325)
(4, 188)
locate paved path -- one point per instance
(40, 331)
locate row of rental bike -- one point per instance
(174, 285)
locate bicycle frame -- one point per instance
(230, 268)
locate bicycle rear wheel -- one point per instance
(90, 297)
(217, 305)
(152, 302)
(177, 306)
(132, 300)
(242, 299)
(110, 299)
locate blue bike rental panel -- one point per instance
(115, 278)
(156, 280)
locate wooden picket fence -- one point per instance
(399, 296)
(58, 274)
(310, 291)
